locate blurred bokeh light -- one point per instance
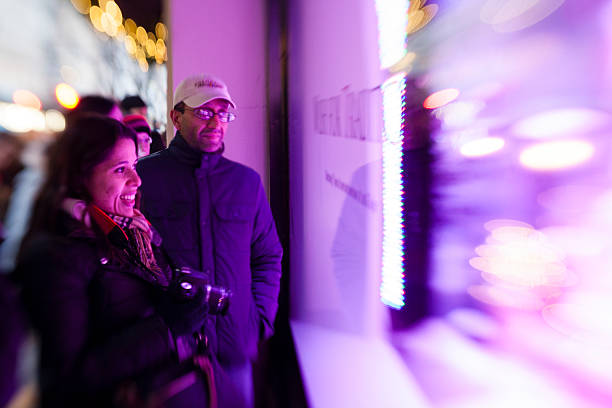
(66, 96)
(557, 155)
(26, 98)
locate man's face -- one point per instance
(141, 110)
(200, 134)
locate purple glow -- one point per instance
(482, 147)
(521, 256)
(514, 15)
(556, 155)
(459, 114)
(586, 320)
(509, 297)
(562, 122)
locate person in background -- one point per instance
(112, 329)
(214, 216)
(13, 330)
(95, 104)
(134, 105)
(139, 124)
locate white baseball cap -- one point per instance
(199, 89)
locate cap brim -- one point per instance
(197, 100)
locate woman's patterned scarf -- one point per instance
(137, 231)
(138, 240)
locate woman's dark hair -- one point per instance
(84, 144)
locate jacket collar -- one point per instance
(195, 158)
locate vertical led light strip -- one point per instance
(392, 285)
(392, 24)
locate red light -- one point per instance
(441, 98)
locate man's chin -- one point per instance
(210, 148)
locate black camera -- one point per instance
(190, 282)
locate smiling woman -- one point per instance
(114, 182)
(98, 290)
(88, 145)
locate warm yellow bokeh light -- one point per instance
(130, 44)
(161, 31)
(66, 95)
(140, 53)
(114, 12)
(150, 47)
(82, 6)
(141, 35)
(108, 24)
(143, 64)
(419, 18)
(130, 26)
(120, 31)
(160, 49)
(95, 15)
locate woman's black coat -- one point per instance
(96, 317)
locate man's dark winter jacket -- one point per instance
(213, 216)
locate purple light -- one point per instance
(393, 16)
(392, 285)
(514, 15)
(562, 122)
(482, 147)
(556, 155)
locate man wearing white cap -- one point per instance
(213, 216)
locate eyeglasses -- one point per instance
(208, 114)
